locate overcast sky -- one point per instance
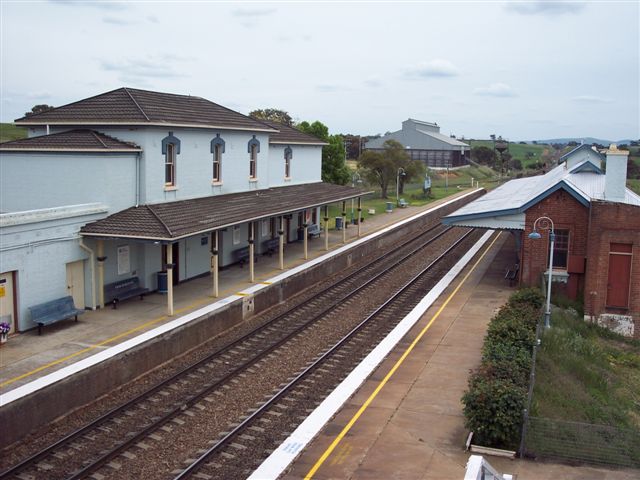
(528, 70)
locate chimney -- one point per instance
(615, 181)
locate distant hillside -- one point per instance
(8, 131)
(586, 140)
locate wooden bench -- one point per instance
(512, 273)
(269, 246)
(50, 312)
(123, 289)
(241, 256)
(314, 231)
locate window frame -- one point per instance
(217, 164)
(253, 162)
(288, 156)
(235, 237)
(170, 165)
(561, 248)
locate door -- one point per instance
(620, 255)
(75, 282)
(7, 301)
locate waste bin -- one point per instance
(389, 207)
(338, 223)
(162, 282)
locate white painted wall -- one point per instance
(306, 165)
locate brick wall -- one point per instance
(567, 214)
(612, 223)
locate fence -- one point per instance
(584, 442)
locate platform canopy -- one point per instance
(171, 221)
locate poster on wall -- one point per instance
(123, 260)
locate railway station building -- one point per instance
(150, 188)
(596, 222)
(424, 142)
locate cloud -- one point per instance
(101, 5)
(496, 90)
(436, 68)
(138, 69)
(555, 7)
(373, 81)
(253, 12)
(118, 21)
(591, 99)
(329, 88)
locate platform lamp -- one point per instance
(355, 178)
(401, 172)
(546, 224)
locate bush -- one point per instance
(497, 393)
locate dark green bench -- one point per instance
(123, 289)
(53, 311)
(270, 246)
(241, 256)
(314, 231)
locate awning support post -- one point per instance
(214, 263)
(170, 279)
(305, 240)
(101, 259)
(359, 214)
(251, 252)
(281, 243)
(326, 227)
(344, 222)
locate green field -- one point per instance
(518, 151)
(8, 131)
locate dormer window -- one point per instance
(253, 149)
(217, 149)
(288, 154)
(170, 150)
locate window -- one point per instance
(170, 150)
(170, 166)
(266, 228)
(236, 234)
(287, 162)
(561, 249)
(253, 149)
(217, 149)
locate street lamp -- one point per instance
(404, 174)
(546, 224)
(355, 178)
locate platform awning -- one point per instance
(171, 221)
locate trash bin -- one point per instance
(162, 282)
(389, 207)
(338, 223)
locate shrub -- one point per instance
(528, 296)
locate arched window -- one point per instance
(217, 149)
(288, 154)
(170, 150)
(253, 149)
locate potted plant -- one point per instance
(4, 331)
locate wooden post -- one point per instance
(326, 227)
(169, 279)
(251, 250)
(281, 242)
(101, 259)
(359, 214)
(214, 263)
(344, 222)
(305, 240)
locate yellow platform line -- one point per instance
(395, 367)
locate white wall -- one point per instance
(306, 165)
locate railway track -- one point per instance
(108, 441)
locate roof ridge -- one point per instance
(137, 105)
(95, 134)
(160, 220)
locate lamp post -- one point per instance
(403, 173)
(547, 224)
(355, 178)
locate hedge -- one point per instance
(497, 392)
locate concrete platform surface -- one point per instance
(28, 356)
(414, 427)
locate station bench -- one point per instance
(314, 231)
(124, 289)
(512, 273)
(53, 311)
(241, 256)
(269, 246)
(403, 203)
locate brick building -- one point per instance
(596, 220)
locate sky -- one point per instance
(525, 71)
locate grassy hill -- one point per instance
(527, 154)
(8, 131)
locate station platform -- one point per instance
(406, 421)
(28, 356)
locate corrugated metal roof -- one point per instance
(516, 196)
(444, 138)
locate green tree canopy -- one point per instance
(334, 168)
(39, 109)
(272, 114)
(484, 155)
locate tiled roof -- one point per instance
(72, 141)
(130, 106)
(290, 135)
(175, 220)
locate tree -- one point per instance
(381, 168)
(484, 155)
(334, 168)
(273, 115)
(39, 109)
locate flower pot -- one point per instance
(3, 337)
